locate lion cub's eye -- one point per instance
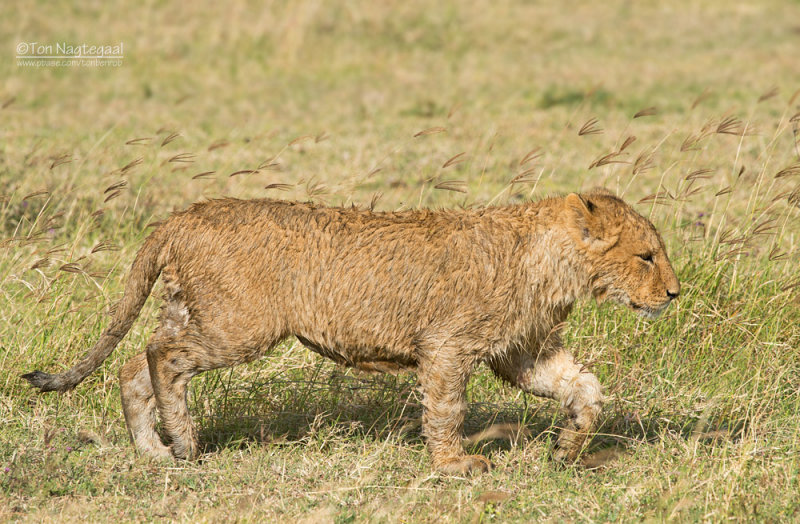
(647, 257)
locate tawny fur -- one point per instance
(437, 292)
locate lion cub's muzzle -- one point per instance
(652, 311)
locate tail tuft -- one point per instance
(47, 382)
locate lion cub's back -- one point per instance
(245, 243)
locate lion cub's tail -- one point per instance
(143, 274)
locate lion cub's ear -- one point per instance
(586, 226)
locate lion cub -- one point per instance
(436, 292)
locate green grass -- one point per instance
(703, 416)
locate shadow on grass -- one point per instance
(342, 405)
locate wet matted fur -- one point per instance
(436, 292)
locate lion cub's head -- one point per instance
(625, 255)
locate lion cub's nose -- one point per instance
(673, 293)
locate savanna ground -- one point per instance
(689, 111)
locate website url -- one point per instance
(69, 62)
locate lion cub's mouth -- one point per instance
(648, 311)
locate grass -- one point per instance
(373, 104)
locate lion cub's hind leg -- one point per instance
(181, 348)
(139, 407)
(172, 363)
(171, 368)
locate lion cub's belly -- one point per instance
(375, 362)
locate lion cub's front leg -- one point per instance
(554, 373)
(444, 384)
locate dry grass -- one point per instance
(690, 111)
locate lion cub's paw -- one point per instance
(156, 455)
(161, 454)
(465, 465)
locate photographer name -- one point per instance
(64, 49)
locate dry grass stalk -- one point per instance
(701, 97)
(591, 127)
(187, 158)
(648, 111)
(71, 268)
(118, 185)
(724, 191)
(269, 165)
(169, 138)
(457, 159)
(628, 141)
(431, 131)
(726, 237)
(692, 142)
(315, 188)
(775, 254)
(139, 141)
(113, 195)
(279, 187)
(60, 160)
(794, 197)
(736, 252)
(661, 197)
(791, 170)
(374, 200)
(130, 165)
(644, 162)
(770, 93)
(458, 186)
(765, 227)
(218, 145)
(300, 139)
(525, 177)
(42, 192)
(699, 174)
(243, 172)
(610, 158)
(41, 263)
(731, 126)
(105, 246)
(531, 155)
(689, 191)
(792, 284)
